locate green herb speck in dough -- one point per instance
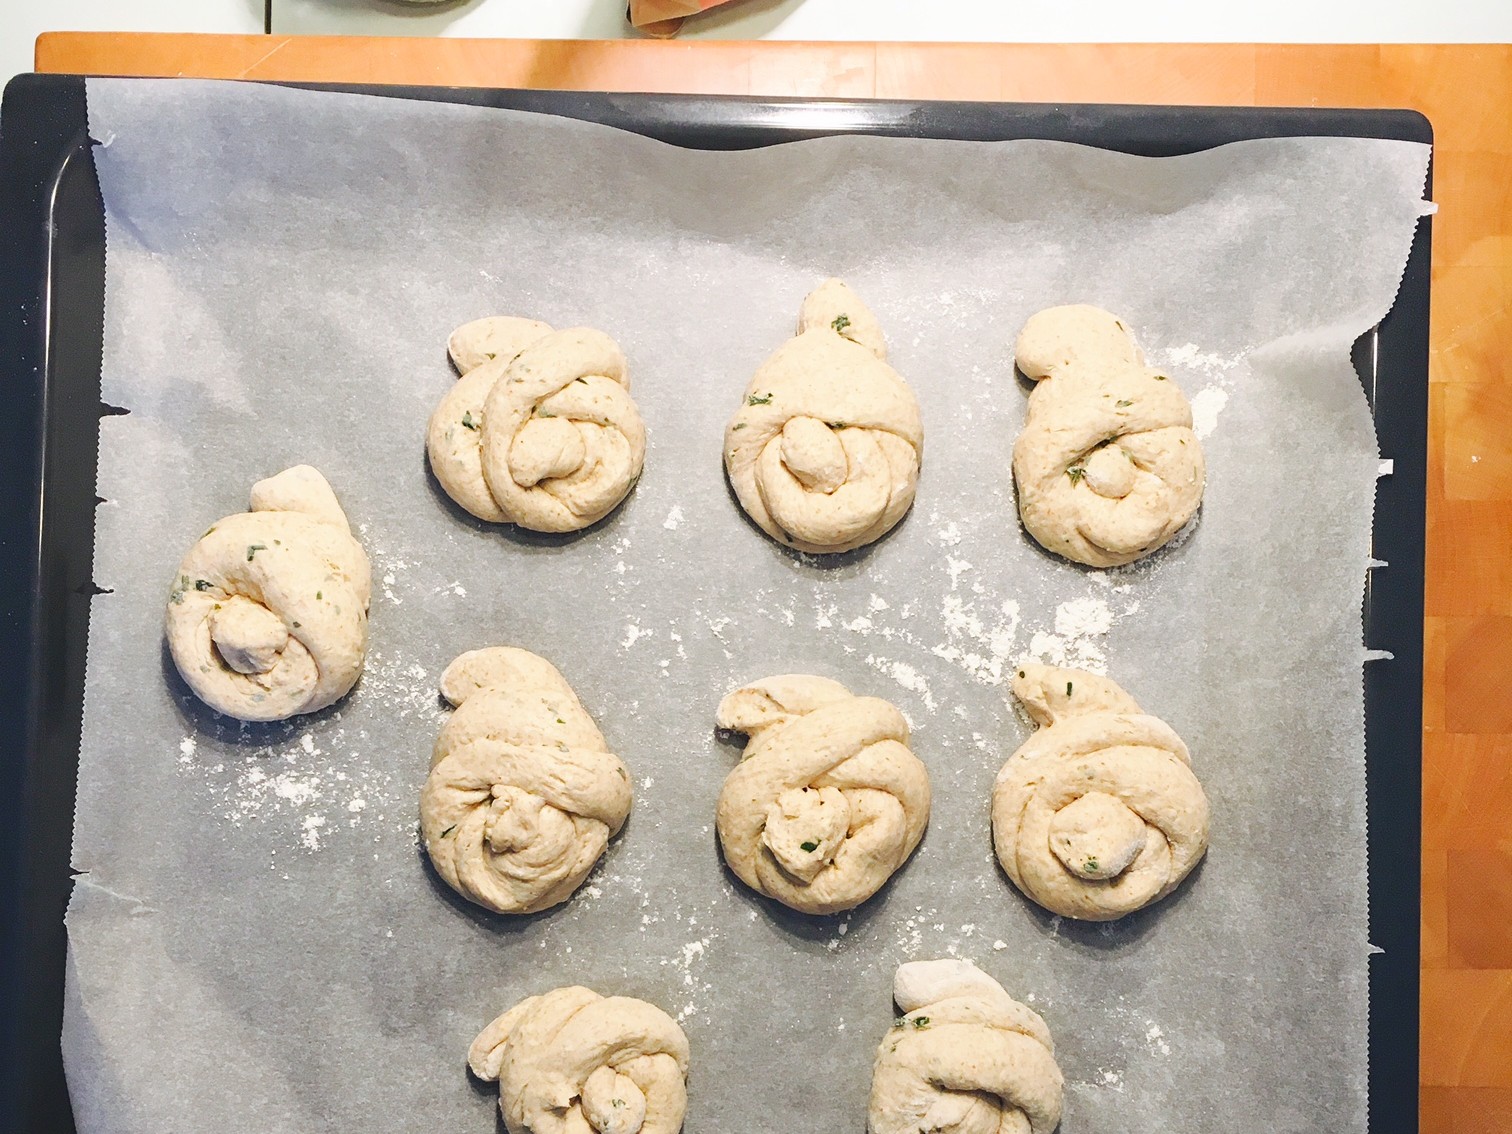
(810, 846)
(319, 596)
(1076, 472)
(584, 381)
(1121, 403)
(468, 422)
(202, 584)
(1021, 673)
(544, 413)
(737, 425)
(839, 424)
(1160, 377)
(1068, 689)
(759, 399)
(616, 1102)
(921, 1022)
(560, 721)
(253, 549)
(490, 354)
(449, 830)
(295, 625)
(208, 531)
(1091, 865)
(839, 323)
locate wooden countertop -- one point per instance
(1466, 91)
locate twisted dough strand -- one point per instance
(541, 430)
(523, 794)
(824, 451)
(965, 1058)
(573, 1062)
(1107, 466)
(267, 617)
(1098, 813)
(828, 802)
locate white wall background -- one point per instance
(1276, 21)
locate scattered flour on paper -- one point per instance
(1077, 640)
(318, 791)
(906, 676)
(982, 635)
(1207, 404)
(922, 933)
(689, 961)
(1155, 1039)
(1208, 401)
(984, 647)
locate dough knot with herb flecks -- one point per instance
(964, 1058)
(1097, 814)
(1107, 466)
(828, 802)
(523, 793)
(540, 430)
(574, 1062)
(267, 617)
(824, 451)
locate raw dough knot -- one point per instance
(523, 793)
(248, 636)
(1098, 813)
(541, 430)
(824, 451)
(964, 1058)
(573, 1062)
(829, 800)
(1107, 466)
(267, 617)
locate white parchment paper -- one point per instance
(257, 943)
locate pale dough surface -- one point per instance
(523, 793)
(829, 800)
(574, 1062)
(267, 616)
(1107, 466)
(1097, 814)
(541, 430)
(964, 1058)
(824, 451)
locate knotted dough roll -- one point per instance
(574, 1062)
(1107, 466)
(541, 430)
(824, 451)
(1098, 814)
(523, 793)
(965, 1058)
(267, 617)
(828, 801)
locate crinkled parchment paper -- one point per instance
(258, 943)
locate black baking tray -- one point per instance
(52, 267)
